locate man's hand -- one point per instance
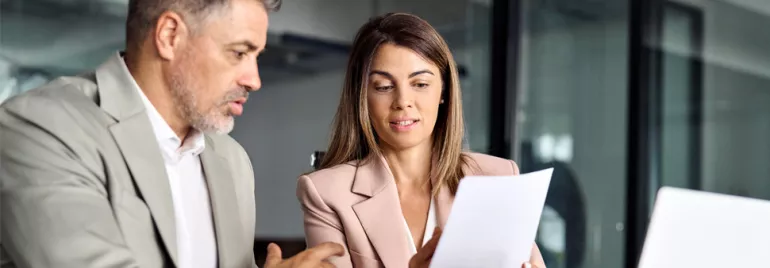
(425, 254)
(310, 258)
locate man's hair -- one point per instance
(143, 14)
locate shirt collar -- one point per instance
(169, 142)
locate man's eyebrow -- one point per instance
(248, 44)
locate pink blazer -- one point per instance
(359, 209)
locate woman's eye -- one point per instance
(383, 88)
(421, 85)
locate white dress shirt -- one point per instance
(430, 224)
(196, 242)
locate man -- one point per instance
(130, 166)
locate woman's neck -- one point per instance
(410, 167)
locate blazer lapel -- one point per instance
(134, 136)
(146, 165)
(224, 207)
(381, 215)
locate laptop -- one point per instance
(699, 229)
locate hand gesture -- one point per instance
(425, 254)
(311, 258)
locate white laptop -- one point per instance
(700, 229)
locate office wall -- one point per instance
(338, 20)
(44, 35)
(281, 126)
(574, 84)
(332, 20)
(736, 93)
(736, 149)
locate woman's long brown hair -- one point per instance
(353, 137)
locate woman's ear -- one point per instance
(444, 92)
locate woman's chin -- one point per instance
(403, 143)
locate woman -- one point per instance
(395, 159)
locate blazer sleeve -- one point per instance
(321, 222)
(55, 210)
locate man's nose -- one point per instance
(250, 79)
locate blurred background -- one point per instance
(620, 96)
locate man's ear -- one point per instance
(169, 33)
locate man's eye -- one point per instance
(239, 55)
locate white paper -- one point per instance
(493, 222)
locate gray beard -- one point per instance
(186, 103)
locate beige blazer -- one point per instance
(83, 184)
(359, 208)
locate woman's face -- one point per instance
(404, 94)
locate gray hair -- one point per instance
(143, 14)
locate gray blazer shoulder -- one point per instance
(82, 180)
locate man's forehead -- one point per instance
(240, 25)
(249, 13)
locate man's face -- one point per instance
(216, 68)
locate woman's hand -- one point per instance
(425, 254)
(530, 265)
(535, 259)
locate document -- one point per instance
(493, 222)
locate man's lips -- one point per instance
(236, 106)
(240, 101)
